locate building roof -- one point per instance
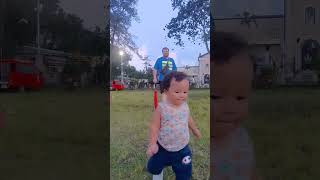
(253, 17)
(33, 50)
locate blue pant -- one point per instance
(180, 161)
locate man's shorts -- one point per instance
(159, 86)
(180, 161)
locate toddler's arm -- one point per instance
(193, 128)
(153, 133)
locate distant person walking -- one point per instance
(163, 66)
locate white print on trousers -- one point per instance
(186, 160)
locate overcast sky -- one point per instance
(151, 38)
(149, 34)
(155, 14)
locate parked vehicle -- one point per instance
(116, 85)
(20, 74)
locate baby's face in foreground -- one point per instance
(231, 90)
(178, 91)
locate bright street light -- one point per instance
(121, 54)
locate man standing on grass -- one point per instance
(163, 66)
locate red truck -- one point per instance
(116, 85)
(19, 74)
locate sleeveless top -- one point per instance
(235, 160)
(174, 129)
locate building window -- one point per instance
(26, 69)
(52, 69)
(206, 79)
(310, 15)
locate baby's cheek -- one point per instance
(243, 111)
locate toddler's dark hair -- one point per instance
(225, 45)
(178, 76)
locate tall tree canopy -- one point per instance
(193, 20)
(122, 13)
(59, 30)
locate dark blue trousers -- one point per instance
(180, 162)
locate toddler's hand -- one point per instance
(197, 133)
(152, 149)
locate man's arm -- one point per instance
(174, 67)
(155, 71)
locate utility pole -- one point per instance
(38, 28)
(2, 32)
(2, 26)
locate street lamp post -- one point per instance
(38, 27)
(121, 54)
(38, 59)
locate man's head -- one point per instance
(176, 86)
(232, 77)
(165, 52)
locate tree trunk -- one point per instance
(207, 46)
(114, 32)
(205, 40)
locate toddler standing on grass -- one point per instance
(169, 129)
(232, 155)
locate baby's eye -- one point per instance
(185, 92)
(177, 92)
(239, 98)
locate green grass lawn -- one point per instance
(285, 128)
(130, 116)
(53, 134)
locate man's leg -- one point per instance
(163, 95)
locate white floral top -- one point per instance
(174, 129)
(235, 159)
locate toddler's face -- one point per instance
(231, 90)
(178, 91)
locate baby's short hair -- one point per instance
(178, 76)
(226, 45)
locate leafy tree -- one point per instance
(122, 12)
(60, 30)
(18, 24)
(192, 20)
